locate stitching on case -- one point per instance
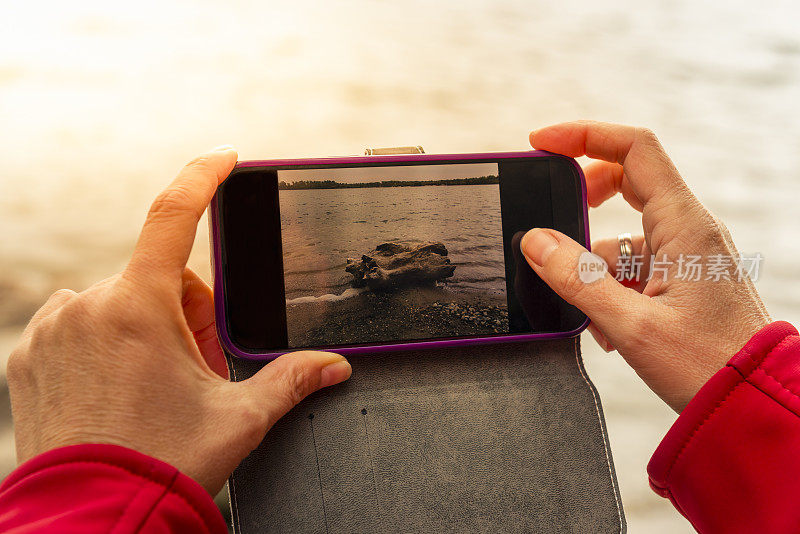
(319, 476)
(231, 484)
(371, 464)
(602, 428)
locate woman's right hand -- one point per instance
(675, 332)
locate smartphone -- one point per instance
(372, 253)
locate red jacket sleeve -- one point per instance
(104, 488)
(731, 462)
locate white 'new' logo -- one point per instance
(591, 267)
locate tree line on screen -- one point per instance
(332, 184)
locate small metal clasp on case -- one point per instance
(394, 150)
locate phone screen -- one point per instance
(326, 256)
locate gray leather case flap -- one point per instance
(488, 438)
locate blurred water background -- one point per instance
(101, 103)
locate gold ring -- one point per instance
(625, 247)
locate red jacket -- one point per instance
(730, 463)
(94, 488)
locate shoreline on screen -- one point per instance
(332, 184)
(408, 313)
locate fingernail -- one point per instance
(222, 148)
(334, 373)
(537, 245)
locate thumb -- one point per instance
(290, 378)
(563, 264)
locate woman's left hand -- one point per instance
(134, 360)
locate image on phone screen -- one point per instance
(377, 254)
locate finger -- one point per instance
(168, 233)
(651, 174)
(600, 338)
(608, 249)
(198, 308)
(612, 307)
(287, 380)
(604, 180)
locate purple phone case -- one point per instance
(216, 257)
